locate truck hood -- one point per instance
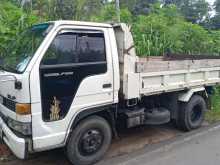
(7, 87)
(10, 95)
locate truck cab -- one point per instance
(69, 84)
(64, 67)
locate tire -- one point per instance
(89, 141)
(192, 113)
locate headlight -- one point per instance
(24, 128)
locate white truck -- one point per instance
(74, 84)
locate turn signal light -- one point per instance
(23, 109)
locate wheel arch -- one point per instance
(107, 112)
(187, 95)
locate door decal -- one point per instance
(64, 87)
(55, 110)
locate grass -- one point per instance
(214, 114)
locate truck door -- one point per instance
(75, 73)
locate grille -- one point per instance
(9, 104)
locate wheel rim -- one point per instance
(90, 142)
(196, 114)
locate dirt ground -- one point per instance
(129, 141)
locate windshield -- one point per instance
(22, 49)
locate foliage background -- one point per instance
(158, 26)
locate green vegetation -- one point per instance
(12, 21)
(171, 27)
(158, 26)
(165, 30)
(214, 114)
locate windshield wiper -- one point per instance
(8, 69)
(11, 69)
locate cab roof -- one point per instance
(81, 23)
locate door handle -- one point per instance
(107, 85)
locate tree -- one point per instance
(129, 4)
(165, 30)
(217, 6)
(12, 21)
(61, 9)
(143, 7)
(176, 2)
(195, 11)
(138, 7)
(108, 14)
(72, 9)
(215, 21)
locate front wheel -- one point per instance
(89, 141)
(192, 114)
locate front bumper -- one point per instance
(17, 145)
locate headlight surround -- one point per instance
(23, 128)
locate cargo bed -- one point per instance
(159, 74)
(143, 76)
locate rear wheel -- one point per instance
(192, 113)
(89, 141)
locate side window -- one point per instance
(91, 47)
(76, 47)
(62, 50)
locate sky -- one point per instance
(211, 1)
